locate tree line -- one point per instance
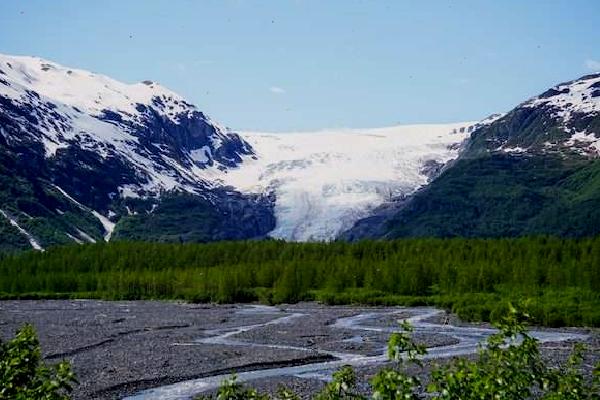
(558, 278)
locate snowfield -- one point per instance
(73, 107)
(90, 92)
(325, 181)
(581, 96)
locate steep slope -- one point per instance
(533, 171)
(324, 181)
(80, 151)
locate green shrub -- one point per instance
(23, 374)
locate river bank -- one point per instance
(121, 349)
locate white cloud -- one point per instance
(276, 90)
(592, 65)
(461, 81)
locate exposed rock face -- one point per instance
(564, 120)
(75, 146)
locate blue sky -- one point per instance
(302, 65)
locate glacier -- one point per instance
(327, 180)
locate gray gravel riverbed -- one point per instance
(120, 348)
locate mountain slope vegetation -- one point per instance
(506, 196)
(533, 171)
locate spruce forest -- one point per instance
(556, 280)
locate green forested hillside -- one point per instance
(533, 171)
(503, 196)
(180, 217)
(474, 277)
(28, 196)
(169, 221)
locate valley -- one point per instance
(323, 182)
(299, 200)
(86, 158)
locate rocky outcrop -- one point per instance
(78, 149)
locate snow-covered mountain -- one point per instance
(108, 153)
(165, 139)
(84, 157)
(81, 152)
(532, 171)
(325, 181)
(561, 120)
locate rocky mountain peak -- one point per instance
(563, 120)
(76, 148)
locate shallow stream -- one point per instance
(466, 341)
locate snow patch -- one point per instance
(34, 243)
(515, 149)
(69, 197)
(85, 236)
(106, 223)
(201, 155)
(589, 141)
(128, 191)
(580, 96)
(73, 238)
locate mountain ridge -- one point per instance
(75, 164)
(532, 171)
(86, 158)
